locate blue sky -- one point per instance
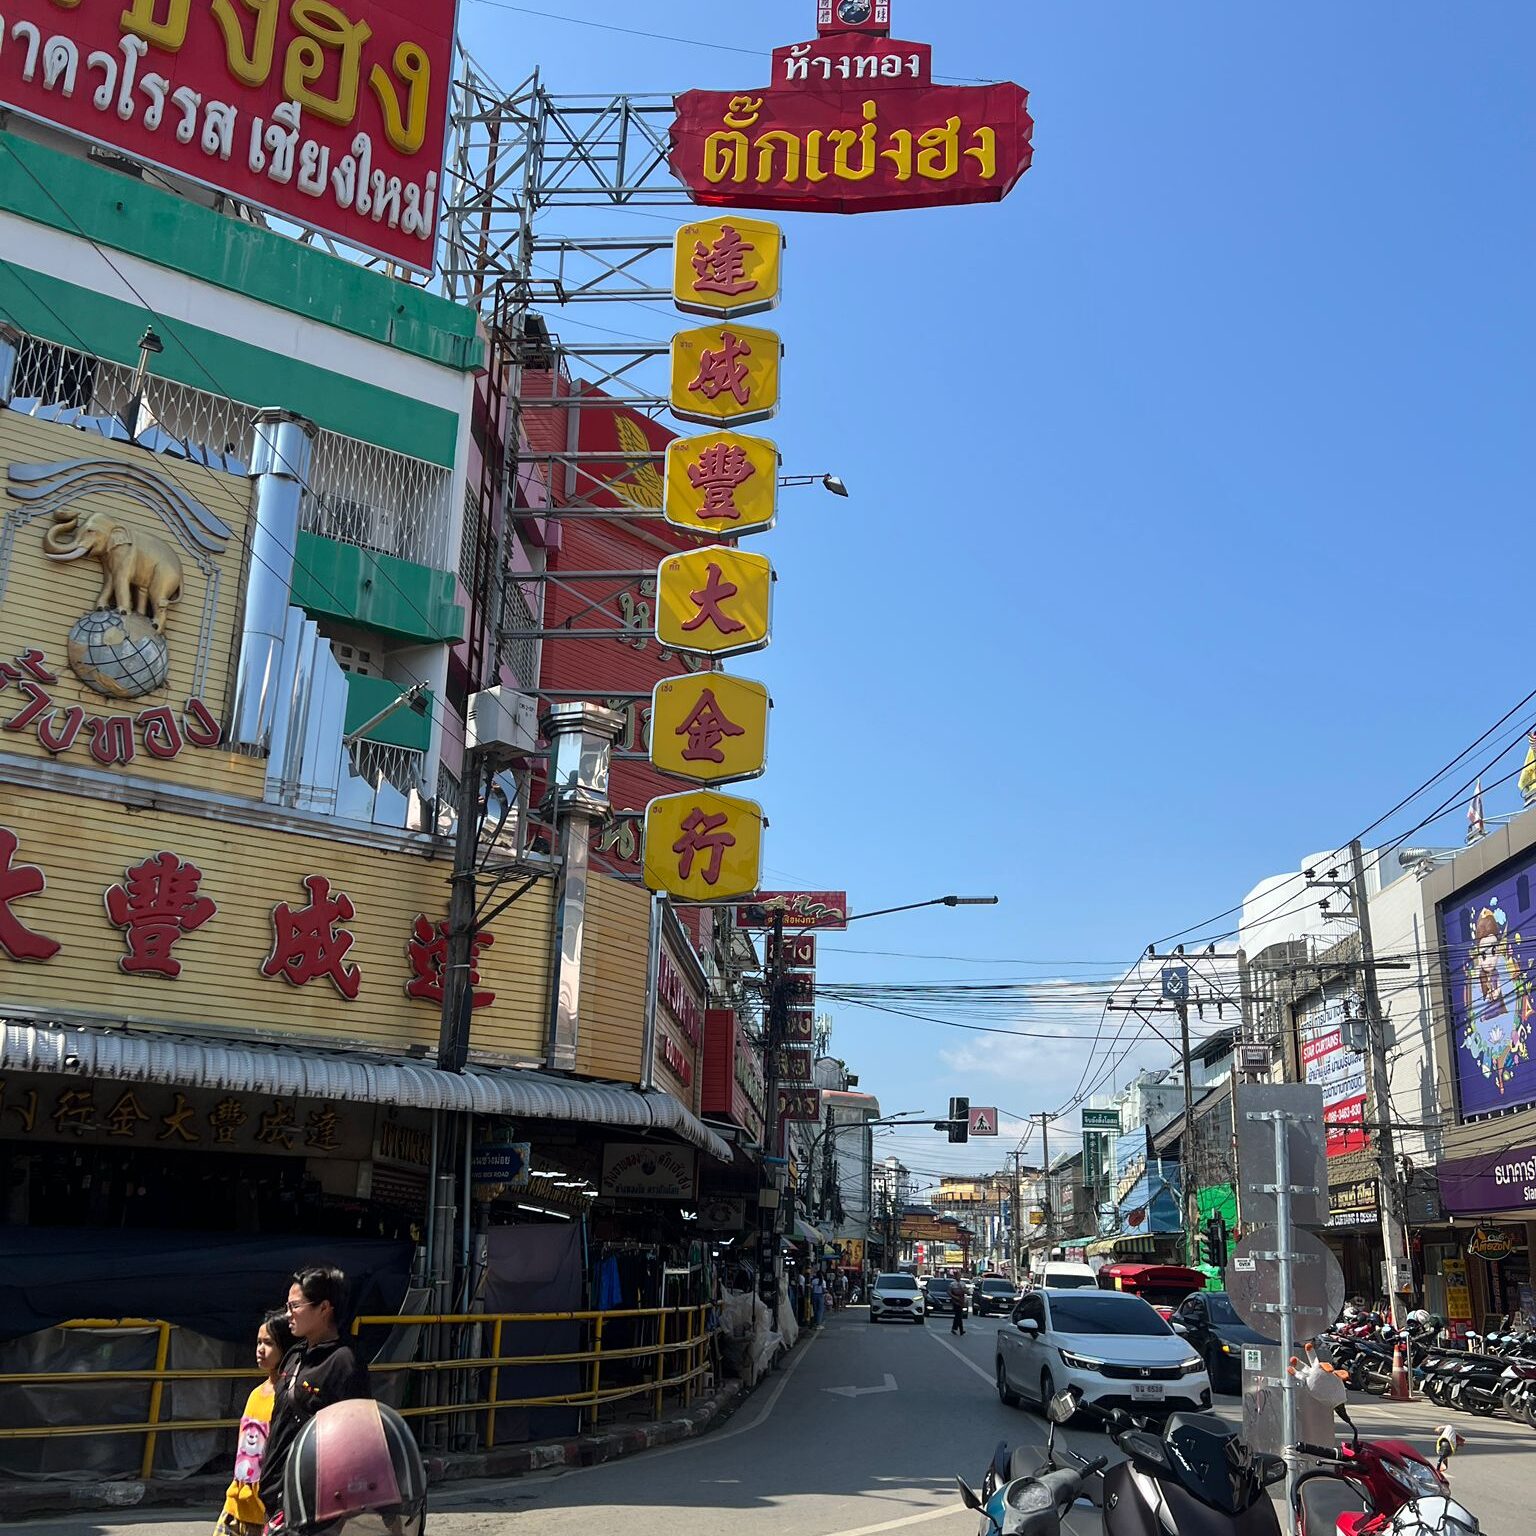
(1180, 478)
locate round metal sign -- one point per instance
(1253, 1283)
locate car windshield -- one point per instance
(1220, 1310)
(997, 1287)
(1070, 1280)
(1104, 1312)
(896, 1283)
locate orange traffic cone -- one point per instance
(1399, 1392)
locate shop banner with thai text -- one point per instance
(331, 113)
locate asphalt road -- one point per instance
(861, 1432)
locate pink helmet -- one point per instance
(355, 1469)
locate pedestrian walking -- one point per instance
(1447, 1443)
(818, 1300)
(244, 1514)
(319, 1370)
(957, 1304)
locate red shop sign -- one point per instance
(852, 123)
(332, 113)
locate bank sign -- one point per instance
(852, 123)
(1492, 1181)
(331, 113)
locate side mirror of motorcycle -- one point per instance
(968, 1495)
(1062, 1406)
(1272, 1470)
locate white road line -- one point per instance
(964, 1360)
(896, 1525)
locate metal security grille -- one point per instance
(519, 623)
(400, 766)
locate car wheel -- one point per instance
(1047, 1389)
(1010, 1399)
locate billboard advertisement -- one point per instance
(333, 115)
(1338, 1071)
(1490, 950)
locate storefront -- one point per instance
(1493, 1200)
(1353, 1232)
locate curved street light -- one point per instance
(833, 483)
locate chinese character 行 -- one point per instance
(724, 370)
(715, 591)
(718, 471)
(75, 1110)
(427, 950)
(321, 1128)
(157, 904)
(706, 727)
(225, 1118)
(722, 267)
(278, 1126)
(126, 1116)
(177, 1122)
(307, 944)
(16, 881)
(702, 833)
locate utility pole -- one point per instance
(1393, 1235)
(1188, 1176)
(1045, 1158)
(1015, 1225)
(775, 1005)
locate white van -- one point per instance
(1061, 1275)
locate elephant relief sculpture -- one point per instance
(140, 572)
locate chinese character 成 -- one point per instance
(706, 727)
(724, 370)
(722, 267)
(703, 833)
(16, 881)
(308, 944)
(715, 591)
(718, 471)
(278, 1126)
(156, 904)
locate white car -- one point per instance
(1113, 1348)
(897, 1296)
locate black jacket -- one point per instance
(313, 1377)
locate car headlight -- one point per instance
(1080, 1362)
(1191, 1365)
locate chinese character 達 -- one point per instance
(427, 950)
(722, 267)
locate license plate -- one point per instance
(1147, 1391)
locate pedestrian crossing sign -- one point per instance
(983, 1119)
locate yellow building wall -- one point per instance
(614, 960)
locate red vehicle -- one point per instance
(1164, 1285)
(1385, 1474)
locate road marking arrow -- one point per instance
(890, 1386)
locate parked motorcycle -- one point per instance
(1388, 1475)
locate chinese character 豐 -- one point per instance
(722, 267)
(178, 1122)
(278, 1126)
(706, 727)
(75, 1110)
(427, 950)
(723, 371)
(17, 881)
(703, 833)
(717, 472)
(157, 904)
(125, 1117)
(225, 1118)
(715, 591)
(322, 1129)
(307, 943)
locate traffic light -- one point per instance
(959, 1119)
(1214, 1242)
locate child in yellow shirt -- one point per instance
(243, 1513)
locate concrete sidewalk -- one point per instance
(24, 1500)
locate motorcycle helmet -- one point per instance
(1437, 1516)
(1419, 1318)
(355, 1471)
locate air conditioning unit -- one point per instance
(503, 722)
(1256, 1057)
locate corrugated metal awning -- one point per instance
(519, 1093)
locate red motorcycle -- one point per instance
(1387, 1474)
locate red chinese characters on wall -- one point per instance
(156, 905)
(309, 943)
(427, 950)
(18, 881)
(113, 740)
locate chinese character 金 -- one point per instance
(427, 950)
(307, 944)
(225, 1118)
(706, 727)
(723, 371)
(715, 591)
(322, 1129)
(722, 267)
(16, 881)
(126, 1116)
(157, 904)
(177, 1123)
(278, 1126)
(718, 471)
(703, 833)
(75, 1110)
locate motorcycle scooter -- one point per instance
(1388, 1475)
(1196, 1479)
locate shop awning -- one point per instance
(304, 1072)
(806, 1233)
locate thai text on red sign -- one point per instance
(331, 113)
(852, 123)
(801, 909)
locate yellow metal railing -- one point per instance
(689, 1352)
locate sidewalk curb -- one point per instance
(21, 1501)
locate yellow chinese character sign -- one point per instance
(714, 601)
(722, 483)
(725, 373)
(710, 727)
(727, 268)
(702, 846)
